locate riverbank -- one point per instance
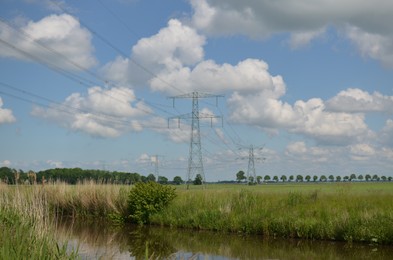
(27, 227)
(352, 212)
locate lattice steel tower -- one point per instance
(195, 161)
(251, 165)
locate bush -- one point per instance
(146, 199)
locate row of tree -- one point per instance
(75, 175)
(241, 177)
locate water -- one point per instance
(99, 241)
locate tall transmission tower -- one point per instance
(251, 176)
(156, 165)
(195, 162)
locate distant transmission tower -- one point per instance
(251, 176)
(156, 165)
(195, 162)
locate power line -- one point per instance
(65, 73)
(195, 162)
(107, 42)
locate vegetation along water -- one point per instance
(361, 212)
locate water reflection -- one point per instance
(101, 241)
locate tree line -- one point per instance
(241, 177)
(78, 175)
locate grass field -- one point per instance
(319, 211)
(323, 211)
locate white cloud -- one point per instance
(361, 152)
(249, 75)
(61, 33)
(6, 163)
(368, 23)
(354, 100)
(102, 112)
(308, 118)
(300, 39)
(372, 45)
(296, 148)
(171, 48)
(386, 134)
(6, 115)
(56, 164)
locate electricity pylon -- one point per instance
(251, 176)
(195, 162)
(156, 164)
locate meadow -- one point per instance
(352, 211)
(361, 212)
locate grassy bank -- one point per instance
(346, 212)
(330, 211)
(26, 227)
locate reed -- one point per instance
(26, 226)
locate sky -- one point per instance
(307, 84)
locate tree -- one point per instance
(368, 177)
(240, 176)
(266, 178)
(299, 178)
(346, 178)
(375, 177)
(315, 178)
(383, 178)
(291, 178)
(275, 178)
(352, 177)
(177, 180)
(151, 177)
(162, 180)
(322, 178)
(390, 178)
(283, 178)
(331, 178)
(360, 177)
(259, 179)
(338, 178)
(198, 180)
(308, 178)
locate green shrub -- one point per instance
(146, 199)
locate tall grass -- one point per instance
(88, 200)
(343, 215)
(26, 226)
(354, 212)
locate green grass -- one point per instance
(324, 211)
(318, 211)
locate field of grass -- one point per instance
(361, 212)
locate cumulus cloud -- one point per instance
(171, 48)
(360, 152)
(372, 45)
(61, 33)
(308, 118)
(6, 115)
(365, 23)
(102, 112)
(354, 100)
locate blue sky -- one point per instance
(85, 84)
